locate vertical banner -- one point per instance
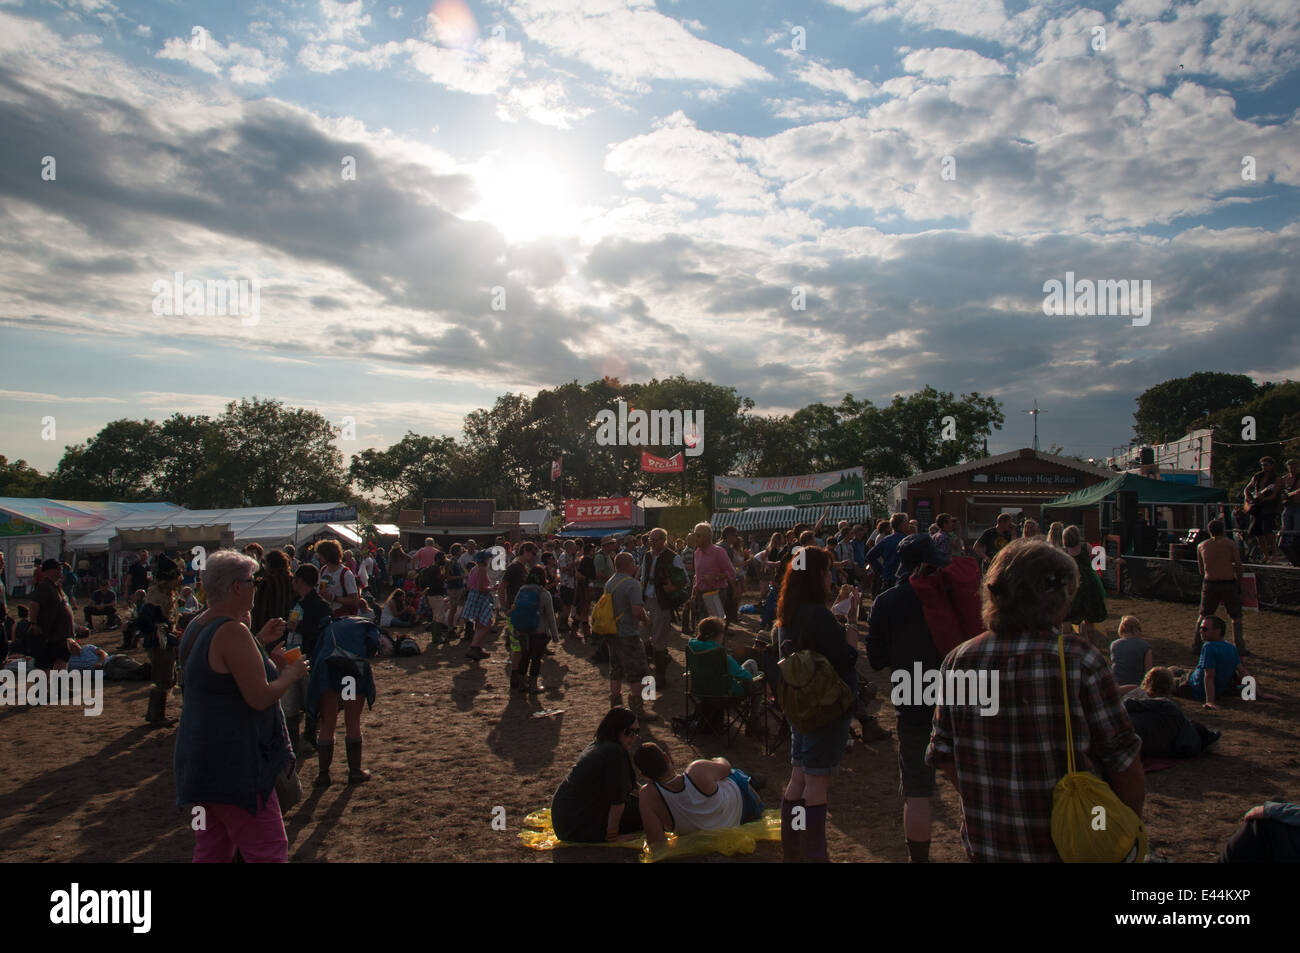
(556, 468)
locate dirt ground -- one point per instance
(447, 743)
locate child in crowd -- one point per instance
(1130, 655)
(711, 632)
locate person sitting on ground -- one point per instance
(103, 601)
(1130, 654)
(1218, 669)
(396, 613)
(711, 635)
(1159, 721)
(83, 656)
(598, 800)
(131, 631)
(188, 603)
(707, 796)
(1269, 833)
(24, 640)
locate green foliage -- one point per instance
(1276, 410)
(21, 479)
(1169, 410)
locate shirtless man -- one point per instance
(1219, 561)
(708, 795)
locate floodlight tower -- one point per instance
(1034, 413)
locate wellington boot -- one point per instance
(355, 774)
(324, 758)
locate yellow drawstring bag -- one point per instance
(1090, 824)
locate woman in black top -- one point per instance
(805, 622)
(597, 801)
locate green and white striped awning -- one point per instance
(773, 518)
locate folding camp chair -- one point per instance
(708, 692)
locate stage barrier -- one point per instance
(1177, 580)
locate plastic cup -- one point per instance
(292, 655)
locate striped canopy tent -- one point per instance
(772, 518)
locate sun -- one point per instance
(525, 197)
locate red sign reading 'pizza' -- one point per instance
(617, 509)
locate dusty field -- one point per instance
(447, 742)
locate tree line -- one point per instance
(260, 452)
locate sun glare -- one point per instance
(525, 198)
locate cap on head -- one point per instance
(919, 549)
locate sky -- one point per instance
(440, 204)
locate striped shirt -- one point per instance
(1007, 764)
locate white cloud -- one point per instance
(947, 63)
(243, 65)
(341, 22)
(631, 43)
(678, 157)
(841, 81)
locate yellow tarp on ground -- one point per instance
(728, 841)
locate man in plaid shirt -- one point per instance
(1006, 765)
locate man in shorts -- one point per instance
(1219, 560)
(898, 638)
(627, 661)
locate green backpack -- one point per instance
(810, 692)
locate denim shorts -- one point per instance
(820, 752)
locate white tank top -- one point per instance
(692, 810)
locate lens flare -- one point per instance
(453, 24)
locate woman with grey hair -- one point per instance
(999, 729)
(232, 743)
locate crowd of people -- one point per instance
(269, 646)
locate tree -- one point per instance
(21, 479)
(1169, 410)
(187, 469)
(115, 464)
(414, 469)
(270, 454)
(1276, 413)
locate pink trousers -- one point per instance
(260, 839)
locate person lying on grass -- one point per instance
(708, 795)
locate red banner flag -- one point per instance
(652, 464)
(555, 468)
